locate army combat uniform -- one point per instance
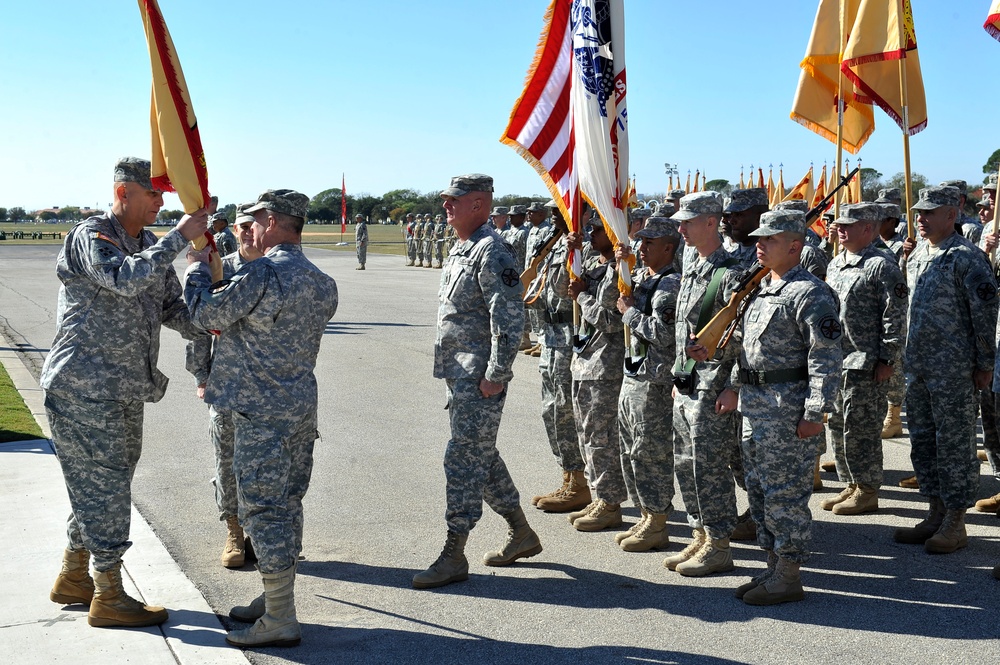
(361, 242)
(440, 238)
(225, 242)
(409, 233)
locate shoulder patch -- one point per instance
(901, 290)
(986, 291)
(830, 328)
(97, 235)
(510, 277)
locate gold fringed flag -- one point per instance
(815, 105)
(992, 24)
(880, 38)
(770, 184)
(697, 174)
(742, 185)
(779, 191)
(802, 189)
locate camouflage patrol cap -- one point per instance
(991, 183)
(639, 213)
(932, 198)
(960, 185)
(359, 216)
(799, 205)
(438, 217)
(500, 210)
(890, 210)
(535, 206)
(744, 199)
(472, 182)
(890, 195)
(676, 194)
(409, 214)
(134, 169)
(518, 210)
(853, 213)
(285, 201)
(666, 209)
(781, 221)
(697, 204)
(219, 216)
(985, 203)
(242, 218)
(551, 203)
(658, 227)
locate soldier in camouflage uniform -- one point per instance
(788, 372)
(892, 240)
(645, 408)
(516, 235)
(872, 292)
(440, 238)
(220, 429)
(554, 310)
(539, 233)
(950, 349)
(225, 241)
(272, 314)
(409, 234)
(500, 219)
(361, 240)
(705, 441)
(636, 220)
(597, 366)
(972, 230)
(741, 217)
(991, 437)
(480, 318)
(118, 288)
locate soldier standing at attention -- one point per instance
(272, 314)
(645, 408)
(788, 373)
(118, 288)
(440, 238)
(409, 233)
(516, 234)
(225, 241)
(872, 292)
(950, 349)
(539, 233)
(480, 318)
(199, 362)
(361, 240)
(428, 236)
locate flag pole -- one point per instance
(904, 97)
(840, 124)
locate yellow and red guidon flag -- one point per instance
(802, 189)
(779, 190)
(992, 24)
(879, 39)
(815, 105)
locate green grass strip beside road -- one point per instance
(16, 421)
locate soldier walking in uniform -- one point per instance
(118, 288)
(273, 314)
(361, 240)
(480, 318)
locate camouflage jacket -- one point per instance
(226, 242)
(273, 315)
(601, 355)
(116, 292)
(872, 292)
(745, 254)
(653, 334)
(814, 260)
(554, 302)
(198, 354)
(794, 322)
(480, 312)
(440, 231)
(517, 237)
(953, 310)
(536, 239)
(361, 233)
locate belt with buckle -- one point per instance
(758, 377)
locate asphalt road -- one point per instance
(374, 517)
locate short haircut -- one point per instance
(289, 222)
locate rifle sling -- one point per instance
(706, 304)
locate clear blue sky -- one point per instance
(404, 94)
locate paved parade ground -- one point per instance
(375, 516)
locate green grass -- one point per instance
(16, 421)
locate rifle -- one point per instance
(531, 272)
(717, 332)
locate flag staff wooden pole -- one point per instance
(904, 99)
(840, 127)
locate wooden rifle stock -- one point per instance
(531, 272)
(719, 330)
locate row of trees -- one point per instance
(15, 215)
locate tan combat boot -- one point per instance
(279, 627)
(925, 528)
(536, 351)
(715, 556)
(233, 555)
(111, 606)
(525, 342)
(249, 613)
(577, 514)
(829, 466)
(575, 496)
(644, 515)
(831, 501)
(450, 566)
(565, 484)
(74, 584)
(698, 538)
(892, 426)
(990, 505)
(950, 536)
(784, 586)
(757, 580)
(746, 528)
(604, 516)
(651, 536)
(910, 483)
(522, 542)
(863, 500)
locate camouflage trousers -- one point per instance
(473, 469)
(991, 437)
(98, 444)
(220, 429)
(419, 244)
(273, 461)
(896, 388)
(645, 425)
(854, 429)
(941, 415)
(778, 467)
(704, 443)
(595, 407)
(439, 251)
(362, 253)
(557, 406)
(411, 250)
(428, 250)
